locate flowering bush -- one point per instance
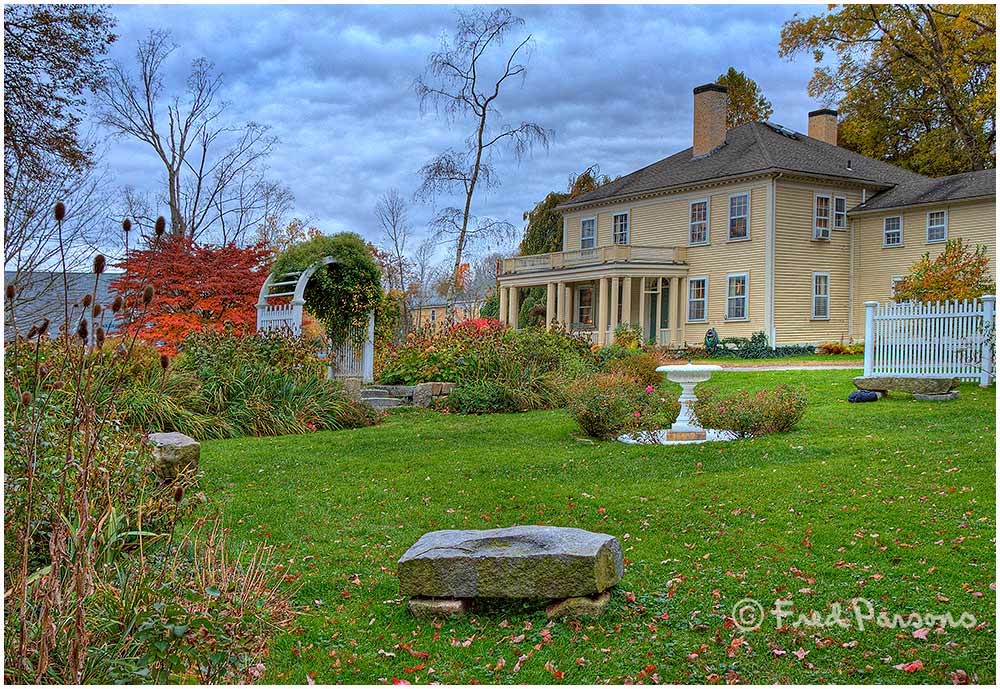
(641, 367)
(610, 404)
(748, 414)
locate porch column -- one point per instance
(614, 309)
(512, 307)
(642, 308)
(602, 311)
(550, 304)
(570, 315)
(627, 301)
(677, 284)
(503, 304)
(561, 310)
(658, 318)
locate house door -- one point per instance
(657, 309)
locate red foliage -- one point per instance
(196, 288)
(477, 326)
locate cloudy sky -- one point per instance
(335, 84)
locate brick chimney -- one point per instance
(710, 104)
(823, 125)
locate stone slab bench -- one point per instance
(572, 569)
(923, 386)
(173, 454)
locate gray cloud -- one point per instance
(335, 84)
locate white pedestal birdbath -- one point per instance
(686, 427)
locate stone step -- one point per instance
(384, 402)
(367, 393)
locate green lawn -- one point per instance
(892, 501)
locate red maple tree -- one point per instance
(197, 287)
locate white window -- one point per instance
(839, 213)
(937, 226)
(739, 211)
(821, 217)
(892, 231)
(698, 222)
(821, 296)
(697, 298)
(433, 315)
(585, 305)
(736, 297)
(620, 226)
(588, 233)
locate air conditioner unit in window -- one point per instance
(821, 233)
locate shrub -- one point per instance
(959, 272)
(267, 384)
(485, 397)
(609, 404)
(832, 348)
(628, 335)
(757, 347)
(748, 414)
(641, 368)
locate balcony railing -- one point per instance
(617, 253)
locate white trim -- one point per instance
(729, 220)
(628, 228)
(769, 252)
(707, 200)
(746, 297)
(886, 245)
(816, 294)
(927, 222)
(583, 220)
(687, 300)
(564, 233)
(817, 230)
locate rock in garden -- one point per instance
(437, 607)
(173, 453)
(924, 386)
(863, 396)
(579, 607)
(516, 562)
(945, 397)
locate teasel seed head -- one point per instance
(43, 327)
(179, 494)
(32, 331)
(99, 262)
(99, 337)
(95, 311)
(26, 398)
(60, 211)
(59, 385)
(126, 225)
(161, 225)
(87, 299)
(117, 304)
(164, 361)
(11, 292)
(83, 330)
(147, 295)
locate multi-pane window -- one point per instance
(821, 217)
(698, 224)
(821, 296)
(620, 226)
(937, 226)
(434, 315)
(697, 298)
(892, 231)
(736, 297)
(585, 305)
(839, 213)
(739, 209)
(588, 233)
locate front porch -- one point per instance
(597, 302)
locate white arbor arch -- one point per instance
(352, 359)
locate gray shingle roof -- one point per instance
(752, 148)
(967, 185)
(40, 295)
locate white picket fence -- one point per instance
(929, 339)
